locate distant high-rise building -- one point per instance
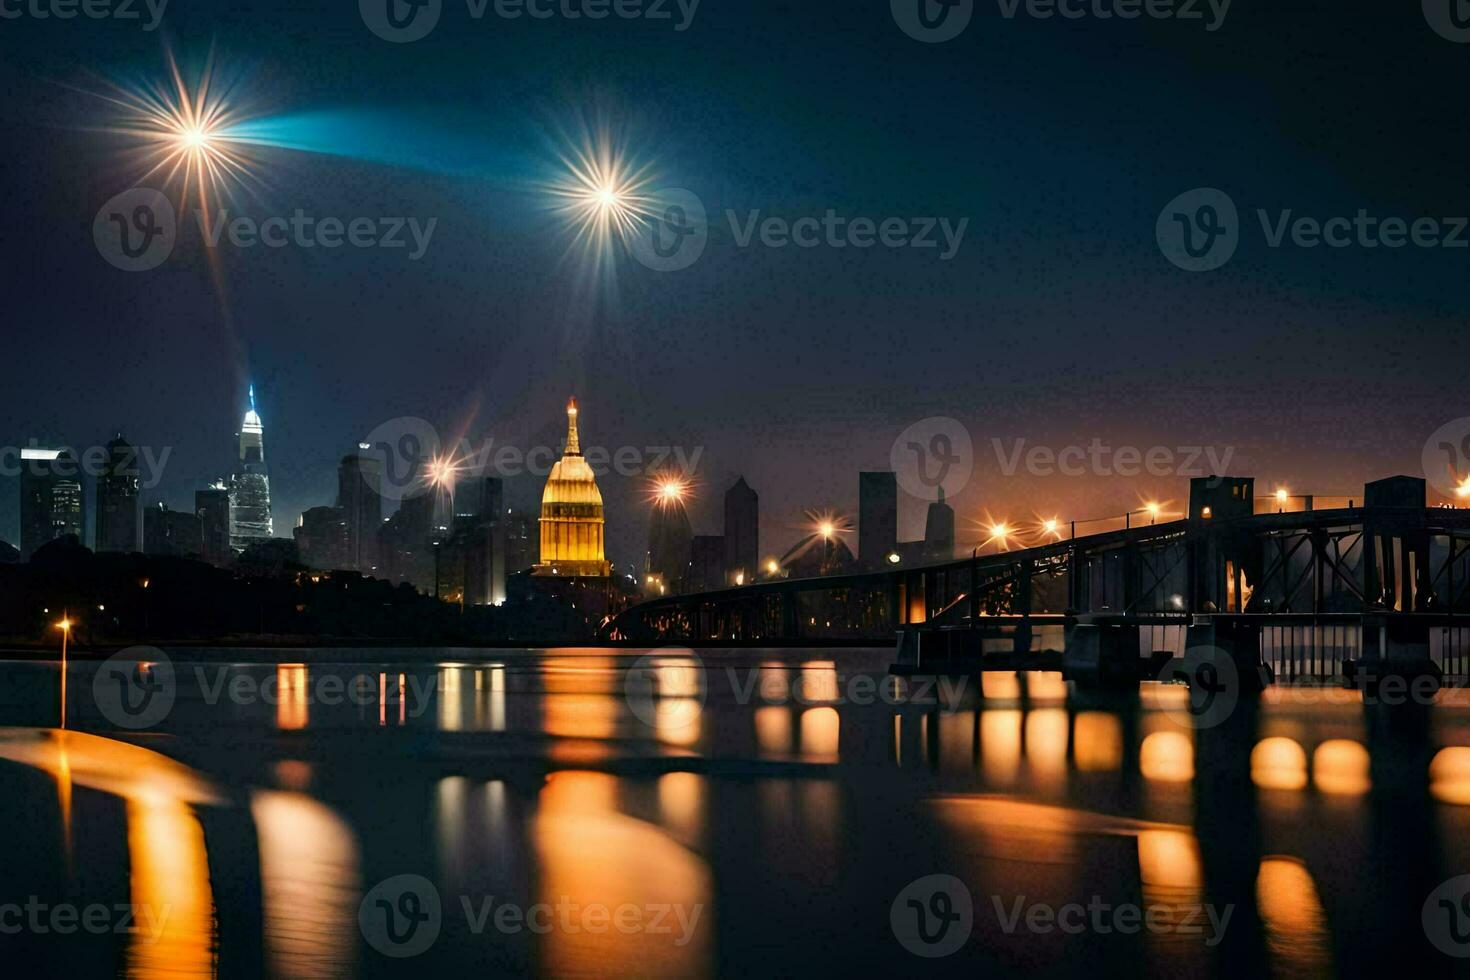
(877, 518)
(706, 563)
(571, 514)
(51, 501)
(250, 487)
(939, 530)
(742, 533)
(358, 478)
(119, 520)
(171, 532)
(323, 538)
(213, 508)
(405, 548)
(669, 539)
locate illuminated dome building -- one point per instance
(571, 514)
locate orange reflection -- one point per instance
(1297, 937)
(1097, 742)
(1167, 757)
(1449, 775)
(170, 892)
(309, 883)
(1046, 743)
(1340, 766)
(819, 682)
(451, 699)
(1170, 869)
(1046, 685)
(291, 707)
(590, 854)
(773, 684)
(820, 729)
(1003, 685)
(681, 804)
(1000, 744)
(773, 731)
(1278, 763)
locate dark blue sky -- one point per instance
(1058, 322)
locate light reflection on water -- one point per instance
(788, 810)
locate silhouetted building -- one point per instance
(877, 518)
(939, 530)
(323, 539)
(171, 532)
(522, 539)
(827, 556)
(742, 533)
(213, 508)
(250, 487)
(9, 553)
(358, 478)
(405, 548)
(666, 566)
(51, 501)
(119, 518)
(471, 565)
(706, 563)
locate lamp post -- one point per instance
(65, 627)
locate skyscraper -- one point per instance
(171, 532)
(939, 530)
(51, 502)
(742, 533)
(213, 507)
(706, 563)
(571, 514)
(877, 518)
(322, 538)
(118, 518)
(358, 478)
(250, 488)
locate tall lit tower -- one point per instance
(250, 487)
(571, 514)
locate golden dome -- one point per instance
(571, 513)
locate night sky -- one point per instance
(1059, 320)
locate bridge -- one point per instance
(1302, 590)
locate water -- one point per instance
(591, 813)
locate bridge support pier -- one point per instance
(1240, 642)
(1395, 649)
(1101, 656)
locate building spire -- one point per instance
(252, 397)
(574, 444)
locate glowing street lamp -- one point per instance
(1463, 490)
(1282, 497)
